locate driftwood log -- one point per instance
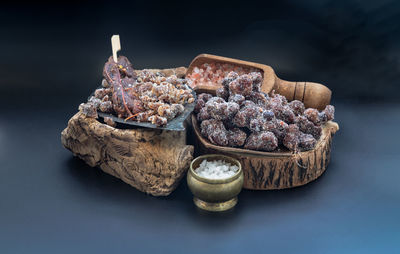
(276, 170)
(151, 160)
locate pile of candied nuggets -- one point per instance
(142, 96)
(240, 115)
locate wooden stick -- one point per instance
(116, 46)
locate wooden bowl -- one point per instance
(313, 95)
(275, 170)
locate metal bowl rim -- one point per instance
(216, 181)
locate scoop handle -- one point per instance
(313, 95)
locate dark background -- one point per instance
(51, 59)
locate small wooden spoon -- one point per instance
(313, 95)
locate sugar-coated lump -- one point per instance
(242, 116)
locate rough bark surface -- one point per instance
(153, 161)
(273, 170)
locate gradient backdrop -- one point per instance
(51, 59)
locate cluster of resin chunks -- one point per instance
(143, 96)
(212, 74)
(243, 116)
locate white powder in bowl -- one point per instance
(216, 169)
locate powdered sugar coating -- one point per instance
(265, 141)
(259, 121)
(213, 74)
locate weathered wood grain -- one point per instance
(276, 170)
(153, 161)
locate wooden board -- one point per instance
(151, 160)
(275, 170)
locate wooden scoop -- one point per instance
(313, 95)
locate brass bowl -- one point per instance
(215, 194)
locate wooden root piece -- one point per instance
(153, 161)
(274, 170)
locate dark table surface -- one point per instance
(53, 54)
(51, 202)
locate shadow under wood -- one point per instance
(250, 199)
(96, 182)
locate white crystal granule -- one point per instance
(218, 169)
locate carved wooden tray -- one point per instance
(313, 95)
(275, 170)
(153, 161)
